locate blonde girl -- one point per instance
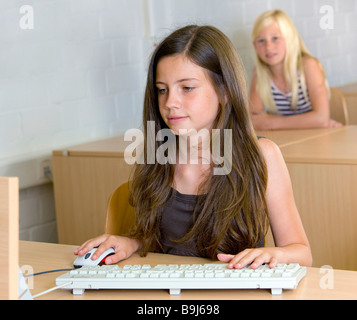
(196, 81)
(289, 89)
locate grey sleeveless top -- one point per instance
(177, 219)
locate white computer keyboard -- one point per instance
(184, 276)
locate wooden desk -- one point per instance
(350, 93)
(323, 171)
(43, 257)
(285, 138)
(338, 147)
(84, 178)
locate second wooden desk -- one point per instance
(323, 171)
(84, 178)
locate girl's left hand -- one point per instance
(254, 257)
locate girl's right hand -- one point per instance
(124, 247)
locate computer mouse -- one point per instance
(86, 260)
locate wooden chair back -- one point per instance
(338, 107)
(120, 214)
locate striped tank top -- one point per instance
(283, 101)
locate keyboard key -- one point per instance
(266, 275)
(131, 275)
(255, 275)
(235, 275)
(145, 275)
(293, 267)
(164, 275)
(136, 267)
(154, 275)
(175, 275)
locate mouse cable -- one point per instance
(52, 289)
(44, 272)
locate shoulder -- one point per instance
(310, 61)
(278, 174)
(314, 73)
(311, 65)
(268, 147)
(271, 153)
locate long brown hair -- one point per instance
(232, 215)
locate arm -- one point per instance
(256, 105)
(124, 247)
(291, 242)
(319, 117)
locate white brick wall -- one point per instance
(79, 74)
(65, 73)
(37, 214)
(236, 18)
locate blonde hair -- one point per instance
(293, 65)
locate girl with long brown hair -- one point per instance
(219, 206)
